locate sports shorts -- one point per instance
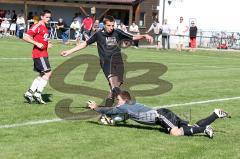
(41, 65)
(113, 67)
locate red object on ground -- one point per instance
(222, 46)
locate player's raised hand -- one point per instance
(92, 104)
(149, 38)
(64, 53)
(39, 45)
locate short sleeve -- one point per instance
(33, 30)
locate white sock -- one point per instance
(41, 85)
(35, 84)
(36, 94)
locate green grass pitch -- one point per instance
(200, 76)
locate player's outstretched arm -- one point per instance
(104, 110)
(75, 49)
(29, 39)
(145, 36)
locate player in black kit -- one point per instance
(108, 44)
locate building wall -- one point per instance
(67, 13)
(148, 7)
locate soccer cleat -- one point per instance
(28, 96)
(209, 131)
(221, 114)
(38, 98)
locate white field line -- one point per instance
(198, 102)
(31, 123)
(38, 122)
(29, 58)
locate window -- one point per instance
(142, 19)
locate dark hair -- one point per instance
(45, 12)
(108, 18)
(125, 95)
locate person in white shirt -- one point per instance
(124, 43)
(77, 28)
(156, 27)
(122, 27)
(5, 26)
(135, 31)
(180, 32)
(21, 25)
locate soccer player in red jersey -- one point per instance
(38, 36)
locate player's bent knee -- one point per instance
(46, 75)
(176, 131)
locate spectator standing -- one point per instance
(165, 34)
(13, 24)
(87, 25)
(14, 16)
(17, 26)
(156, 27)
(193, 35)
(180, 31)
(21, 25)
(135, 31)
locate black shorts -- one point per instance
(167, 119)
(113, 67)
(41, 65)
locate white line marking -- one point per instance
(31, 123)
(38, 122)
(28, 58)
(199, 102)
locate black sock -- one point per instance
(207, 121)
(197, 130)
(30, 91)
(109, 102)
(115, 92)
(190, 130)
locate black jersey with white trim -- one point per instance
(108, 44)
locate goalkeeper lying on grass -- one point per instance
(126, 109)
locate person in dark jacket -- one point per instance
(193, 36)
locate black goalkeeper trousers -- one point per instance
(167, 119)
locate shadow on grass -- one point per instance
(45, 97)
(142, 127)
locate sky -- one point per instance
(217, 15)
